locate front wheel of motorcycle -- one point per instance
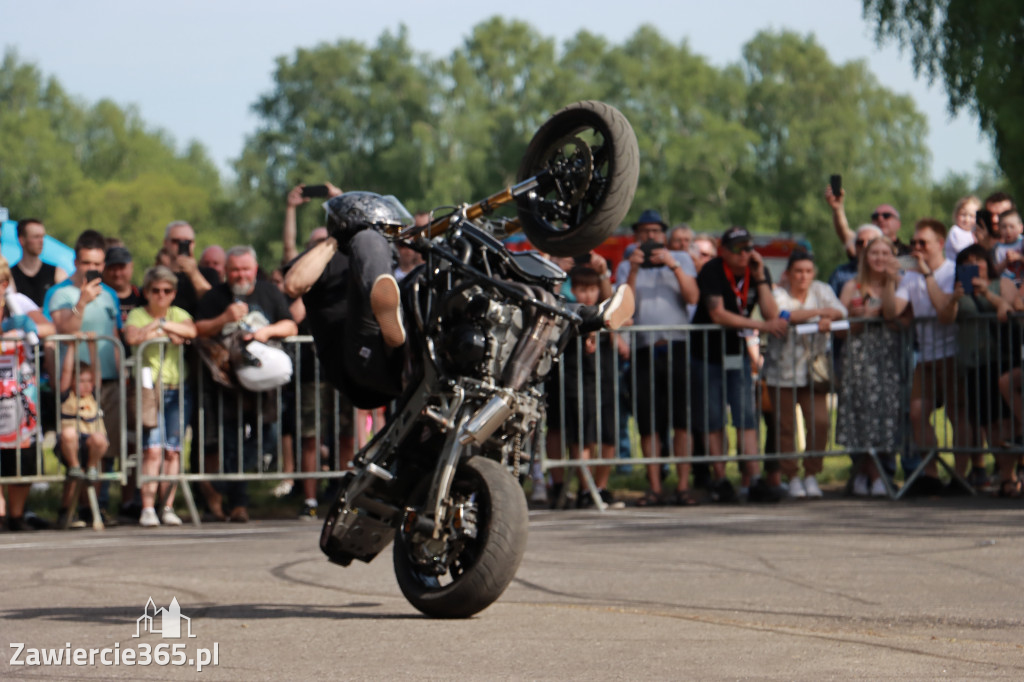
(479, 568)
(587, 163)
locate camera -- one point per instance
(92, 275)
(648, 248)
(183, 246)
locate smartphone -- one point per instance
(984, 219)
(965, 274)
(907, 263)
(648, 247)
(836, 181)
(183, 247)
(582, 259)
(313, 191)
(91, 275)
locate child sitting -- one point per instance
(81, 425)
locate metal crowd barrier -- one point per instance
(959, 426)
(238, 440)
(40, 376)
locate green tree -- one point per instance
(75, 165)
(977, 50)
(813, 118)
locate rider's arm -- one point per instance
(307, 270)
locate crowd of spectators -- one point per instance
(927, 336)
(721, 344)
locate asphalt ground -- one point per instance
(836, 589)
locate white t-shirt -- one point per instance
(957, 240)
(935, 341)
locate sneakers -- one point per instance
(148, 518)
(386, 303)
(610, 501)
(811, 487)
(763, 492)
(925, 486)
(169, 518)
(239, 515)
(308, 512)
(618, 309)
(282, 489)
(63, 517)
(796, 488)
(724, 492)
(860, 485)
(540, 493)
(584, 500)
(878, 488)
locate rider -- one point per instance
(348, 278)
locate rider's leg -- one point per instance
(371, 263)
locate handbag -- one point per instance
(150, 408)
(819, 365)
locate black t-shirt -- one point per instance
(265, 297)
(187, 299)
(36, 286)
(712, 281)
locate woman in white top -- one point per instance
(789, 375)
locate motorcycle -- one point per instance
(441, 480)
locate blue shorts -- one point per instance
(709, 403)
(169, 435)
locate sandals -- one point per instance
(1013, 490)
(650, 499)
(683, 498)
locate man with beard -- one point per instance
(243, 300)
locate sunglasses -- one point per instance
(884, 215)
(161, 290)
(918, 242)
(741, 248)
(863, 243)
(706, 254)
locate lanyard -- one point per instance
(741, 297)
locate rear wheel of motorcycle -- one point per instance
(590, 152)
(486, 564)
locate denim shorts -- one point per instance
(709, 402)
(169, 435)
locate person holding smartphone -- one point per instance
(178, 253)
(921, 292)
(988, 344)
(84, 304)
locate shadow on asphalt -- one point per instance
(117, 615)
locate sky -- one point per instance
(195, 67)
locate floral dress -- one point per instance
(869, 396)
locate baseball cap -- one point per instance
(735, 235)
(118, 255)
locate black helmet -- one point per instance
(354, 211)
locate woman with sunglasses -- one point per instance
(869, 395)
(166, 370)
(789, 376)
